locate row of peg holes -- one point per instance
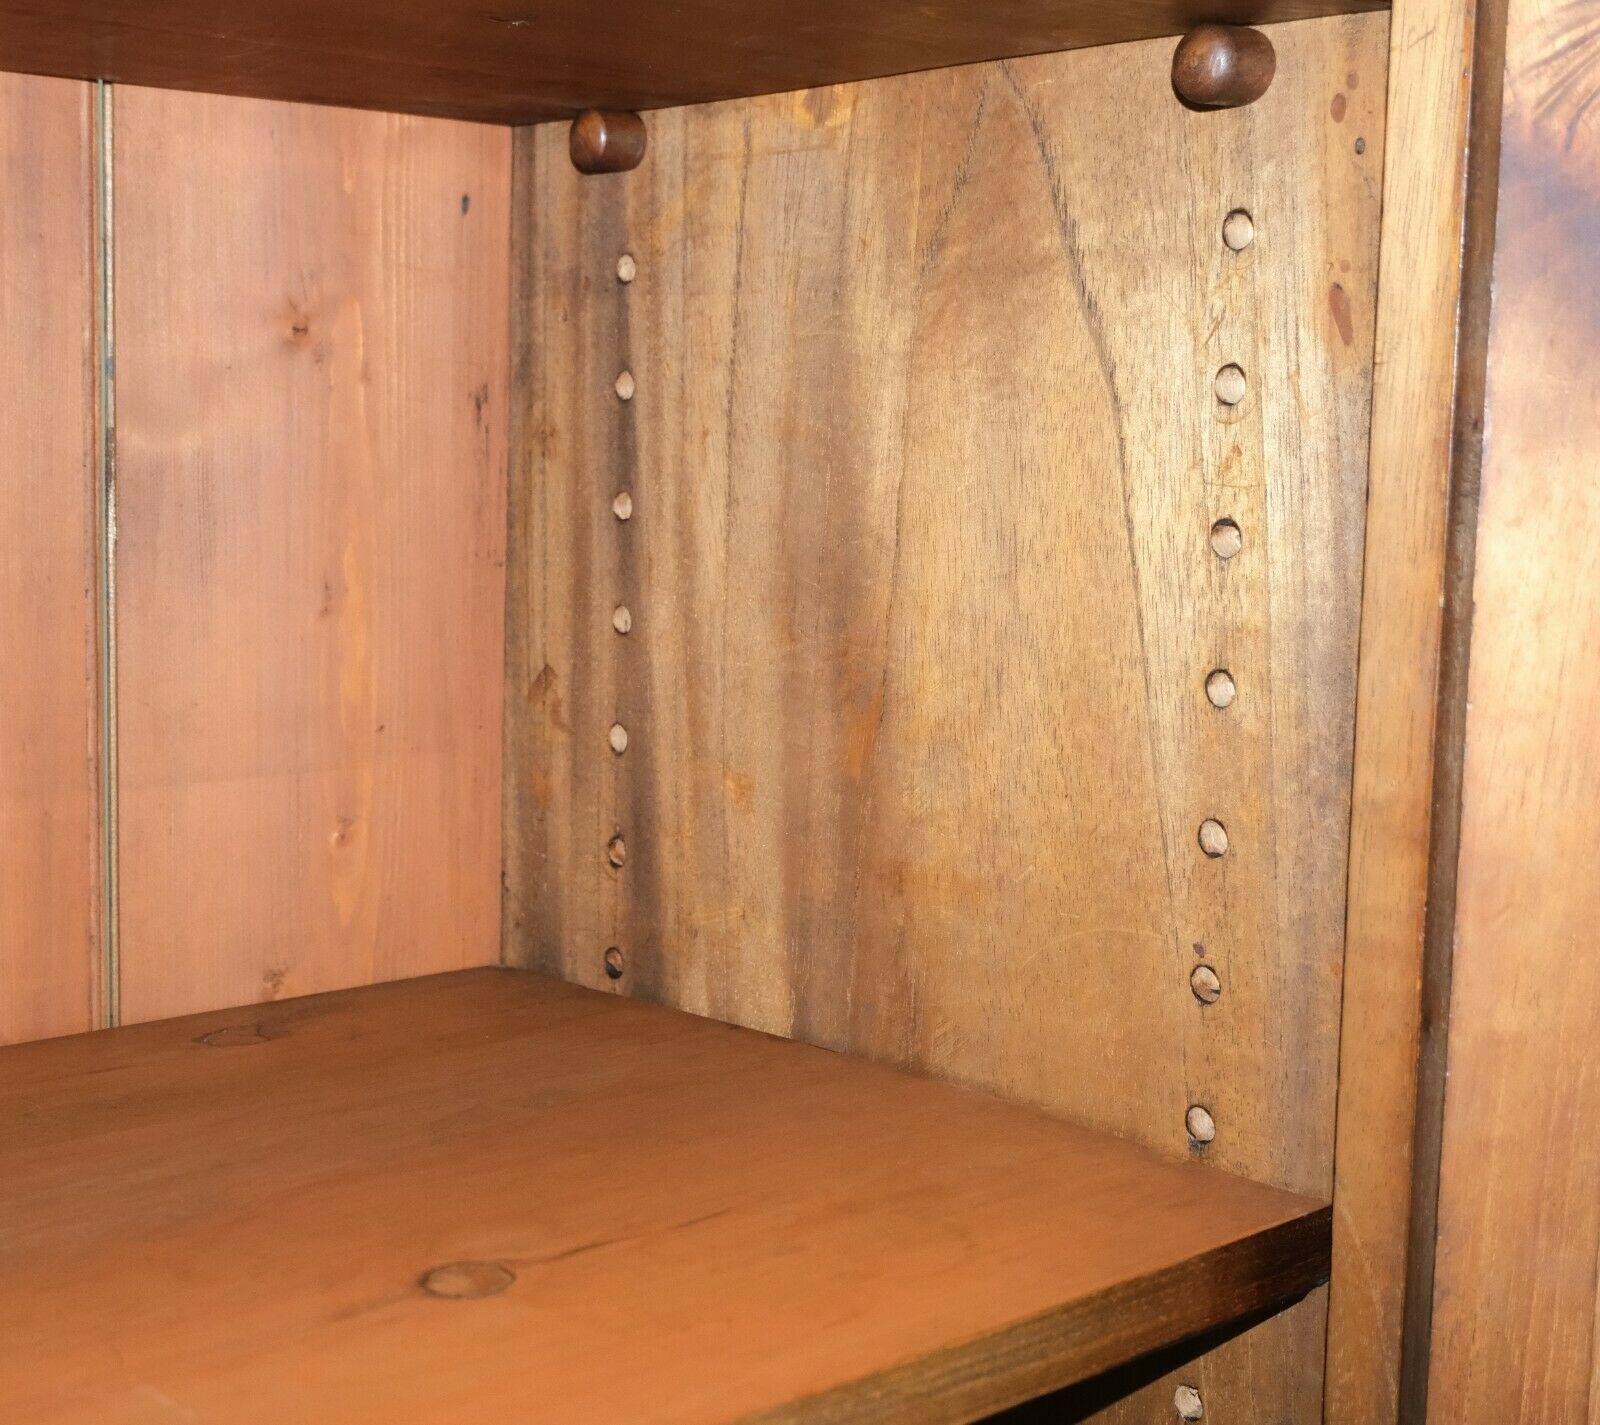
(626, 388)
(1227, 540)
(1231, 386)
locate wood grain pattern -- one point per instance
(922, 597)
(1426, 423)
(747, 1223)
(50, 852)
(311, 392)
(519, 63)
(1516, 1329)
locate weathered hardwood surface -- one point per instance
(231, 1216)
(921, 457)
(520, 63)
(1516, 1334)
(311, 403)
(50, 852)
(1427, 401)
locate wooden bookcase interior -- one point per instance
(886, 573)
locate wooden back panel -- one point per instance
(50, 849)
(311, 394)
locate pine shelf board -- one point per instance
(230, 1217)
(522, 61)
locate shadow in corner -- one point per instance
(1080, 1402)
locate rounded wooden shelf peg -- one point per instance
(1187, 1402)
(607, 141)
(1222, 66)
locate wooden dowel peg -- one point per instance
(1222, 66)
(607, 141)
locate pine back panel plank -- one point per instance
(1516, 1323)
(923, 457)
(311, 395)
(50, 850)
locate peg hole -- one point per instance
(1231, 385)
(1226, 539)
(1220, 689)
(613, 963)
(1206, 985)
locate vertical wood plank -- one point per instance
(312, 368)
(50, 851)
(922, 597)
(1516, 1314)
(1427, 402)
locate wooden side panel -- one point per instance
(1516, 1319)
(311, 394)
(923, 453)
(1427, 398)
(50, 854)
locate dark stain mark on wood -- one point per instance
(1339, 305)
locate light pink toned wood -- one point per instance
(50, 848)
(311, 318)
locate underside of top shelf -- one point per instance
(524, 61)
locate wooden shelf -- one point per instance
(230, 1217)
(519, 61)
